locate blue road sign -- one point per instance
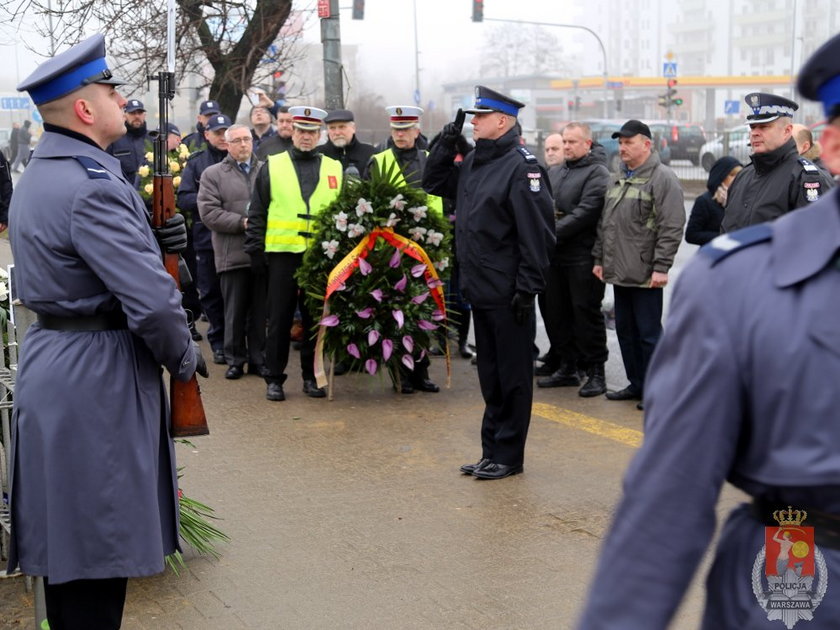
(14, 102)
(732, 107)
(669, 69)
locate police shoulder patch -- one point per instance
(92, 167)
(727, 244)
(529, 157)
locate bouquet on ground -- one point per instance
(373, 273)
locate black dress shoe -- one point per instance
(546, 369)
(465, 352)
(196, 336)
(258, 370)
(492, 470)
(234, 372)
(469, 469)
(311, 389)
(640, 406)
(274, 391)
(425, 385)
(405, 388)
(219, 357)
(628, 393)
(560, 378)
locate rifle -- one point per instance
(186, 408)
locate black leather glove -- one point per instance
(200, 365)
(452, 131)
(259, 265)
(522, 306)
(173, 235)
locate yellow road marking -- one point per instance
(609, 430)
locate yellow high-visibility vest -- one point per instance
(385, 160)
(289, 216)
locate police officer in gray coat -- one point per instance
(742, 388)
(93, 483)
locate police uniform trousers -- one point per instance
(638, 326)
(284, 297)
(505, 364)
(210, 293)
(244, 297)
(573, 321)
(190, 300)
(85, 604)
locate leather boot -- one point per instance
(596, 383)
(565, 376)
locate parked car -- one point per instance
(734, 142)
(684, 139)
(602, 131)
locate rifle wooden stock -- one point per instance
(186, 408)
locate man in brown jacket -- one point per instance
(223, 199)
(640, 231)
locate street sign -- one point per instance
(14, 102)
(669, 69)
(323, 8)
(732, 107)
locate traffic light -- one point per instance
(478, 11)
(358, 9)
(672, 94)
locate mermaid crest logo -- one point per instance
(789, 576)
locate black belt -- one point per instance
(114, 320)
(826, 526)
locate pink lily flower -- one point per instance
(353, 350)
(398, 315)
(426, 325)
(387, 348)
(408, 343)
(373, 337)
(365, 313)
(418, 270)
(370, 366)
(400, 286)
(364, 267)
(408, 361)
(419, 299)
(329, 320)
(376, 294)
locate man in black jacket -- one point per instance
(573, 295)
(343, 145)
(778, 180)
(505, 233)
(131, 148)
(5, 191)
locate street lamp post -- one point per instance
(585, 28)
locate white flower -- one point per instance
(417, 233)
(434, 238)
(363, 207)
(340, 222)
(442, 264)
(392, 220)
(397, 202)
(418, 213)
(330, 248)
(3, 273)
(3, 293)
(355, 229)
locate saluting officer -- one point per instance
(778, 179)
(505, 234)
(93, 487)
(291, 188)
(742, 388)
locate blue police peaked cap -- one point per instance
(767, 107)
(487, 100)
(819, 78)
(69, 71)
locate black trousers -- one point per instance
(573, 318)
(190, 300)
(210, 296)
(244, 298)
(284, 296)
(638, 325)
(506, 376)
(85, 604)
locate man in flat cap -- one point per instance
(342, 143)
(291, 189)
(505, 234)
(639, 233)
(778, 179)
(94, 486)
(742, 388)
(132, 148)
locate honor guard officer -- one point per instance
(93, 480)
(778, 180)
(742, 388)
(290, 191)
(505, 235)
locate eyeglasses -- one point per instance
(245, 140)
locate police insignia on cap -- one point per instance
(754, 100)
(399, 111)
(307, 112)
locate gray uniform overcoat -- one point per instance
(93, 485)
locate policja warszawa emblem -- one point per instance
(789, 576)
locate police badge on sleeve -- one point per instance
(789, 576)
(534, 181)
